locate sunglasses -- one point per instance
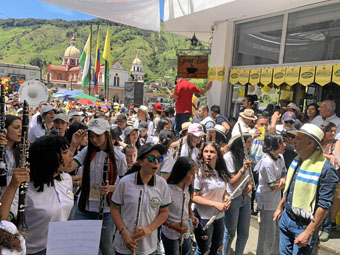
(152, 159)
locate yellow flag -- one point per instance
(292, 75)
(279, 75)
(307, 74)
(266, 76)
(336, 74)
(234, 76)
(212, 74)
(221, 73)
(244, 76)
(323, 75)
(254, 78)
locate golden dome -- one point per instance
(136, 61)
(72, 51)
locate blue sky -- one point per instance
(40, 10)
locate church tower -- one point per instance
(71, 55)
(136, 71)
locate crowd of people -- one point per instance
(164, 178)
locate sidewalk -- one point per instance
(332, 246)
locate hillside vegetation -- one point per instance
(43, 42)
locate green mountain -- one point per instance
(43, 42)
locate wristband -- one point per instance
(120, 231)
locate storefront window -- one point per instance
(258, 42)
(313, 34)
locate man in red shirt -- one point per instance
(183, 96)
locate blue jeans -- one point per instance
(107, 236)
(289, 231)
(172, 247)
(209, 241)
(237, 217)
(180, 118)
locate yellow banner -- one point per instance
(254, 78)
(336, 74)
(279, 75)
(292, 75)
(307, 74)
(234, 76)
(212, 74)
(266, 76)
(221, 73)
(323, 75)
(244, 76)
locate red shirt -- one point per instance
(184, 90)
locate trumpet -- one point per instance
(139, 210)
(213, 218)
(250, 171)
(24, 146)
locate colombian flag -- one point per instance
(97, 64)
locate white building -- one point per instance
(24, 72)
(137, 71)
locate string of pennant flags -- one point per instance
(216, 73)
(305, 75)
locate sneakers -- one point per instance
(333, 225)
(324, 237)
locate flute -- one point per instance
(182, 221)
(24, 146)
(250, 170)
(102, 197)
(213, 218)
(139, 210)
(3, 168)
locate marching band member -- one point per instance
(49, 197)
(44, 123)
(238, 215)
(188, 146)
(153, 203)
(177, 224)
(209, 196)
(92, 159)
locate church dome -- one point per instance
(72, 51)
(137, 61)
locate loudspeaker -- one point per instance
(133, 93)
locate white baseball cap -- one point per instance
(99, 126)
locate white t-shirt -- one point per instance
(270, 171)
(120, 161)
(150, 126)
(51, 205)
(35, 132)
(185, 151)
(175, 211)
(231, 168)
(212, 188)
(96, 178)
(318, 120)
(126, 196)
(168, 163)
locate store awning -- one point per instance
(182, 17)
(290, 75)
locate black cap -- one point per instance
(146, 148)
(165, 133)
(143, 126)
(116, 132)
(121, 117)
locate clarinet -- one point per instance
(139, 209)
(213, 218)
(247, 157)
(103, 197)
(24, 146)
(3, 168)
(182, 221)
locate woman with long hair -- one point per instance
(143, 195)
(131, 136)
(177, 224)
(164, 123)
(311, 112)
(44, 123)
(210, 197)
(92, 159)
(272, 172)
(143, 115)
(238, 215)
(166, 138)
(49, 196)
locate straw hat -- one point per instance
(248, 114)
(144, 109)
(235, 137)
(219, 128)
(311, 130)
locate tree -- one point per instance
(37, 62)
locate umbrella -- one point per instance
(72, 93)
(84, 101)
(85, 96)
(103, 106)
